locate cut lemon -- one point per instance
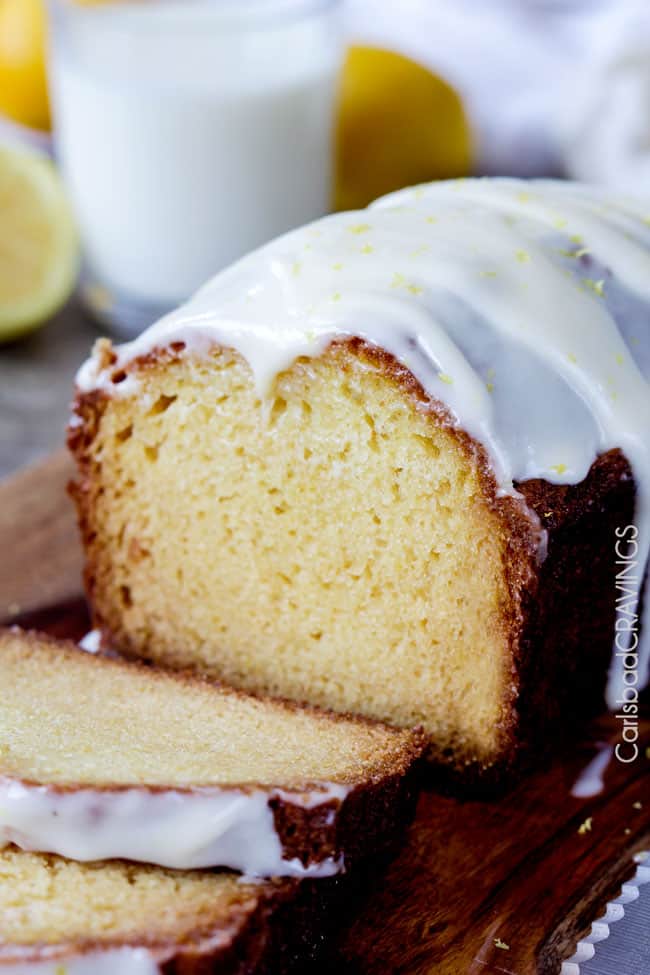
(398, 124)
(38, 242)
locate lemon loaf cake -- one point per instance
(102, 759)
(381, 464)
(58, 917)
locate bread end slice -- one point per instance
(106, 759)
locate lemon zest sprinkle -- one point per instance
(498, 943)
(367, 249)
(586, 827)
(445, 378)
(523, 256)
(359, 228)
(598, 287)
(558, 468)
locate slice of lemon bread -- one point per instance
(101, 759)
(58, 917)
(381, 464)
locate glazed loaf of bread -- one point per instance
(379, 465)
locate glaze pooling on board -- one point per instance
(523, 307)
(183, 830)
(591, 780)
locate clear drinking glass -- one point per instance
(188, 131)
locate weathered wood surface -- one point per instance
(40, 555)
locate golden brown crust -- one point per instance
(535, 683)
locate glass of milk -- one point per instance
(189, 132)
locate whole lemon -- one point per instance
(23, 85)
(398, 124)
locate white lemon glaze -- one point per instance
(523, 307)
(183, 830)
(125, 961)
(91, 641)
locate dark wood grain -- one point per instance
(515, 869)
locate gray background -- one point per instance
(36, 382)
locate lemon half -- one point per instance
(38, 242)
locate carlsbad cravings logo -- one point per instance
(626, 640)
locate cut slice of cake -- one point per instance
(381, 464)
(101, 759)
(58, 917)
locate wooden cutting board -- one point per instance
(515, 872)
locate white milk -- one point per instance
(190, 132)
